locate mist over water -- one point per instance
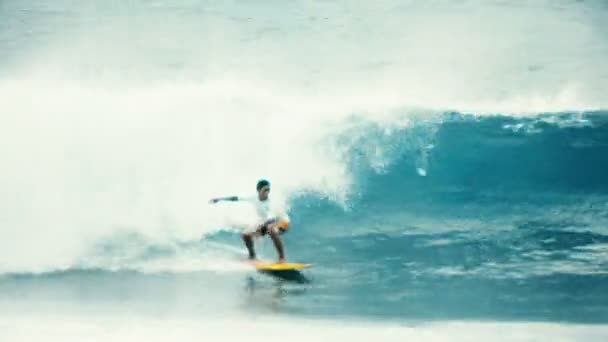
(429, 153)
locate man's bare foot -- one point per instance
(281, 260)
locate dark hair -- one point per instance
(262, 183)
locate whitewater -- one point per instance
(444, 164)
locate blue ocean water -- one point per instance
(508, 223)
(444, 165)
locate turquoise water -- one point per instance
(443, 164)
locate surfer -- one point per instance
(272, 220)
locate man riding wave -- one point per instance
(273, 221)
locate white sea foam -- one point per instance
(253, 329)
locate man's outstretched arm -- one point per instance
(219, 199)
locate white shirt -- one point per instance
(266, 210)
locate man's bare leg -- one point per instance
(278, 244)
(248, 239)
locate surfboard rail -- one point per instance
(273, 266)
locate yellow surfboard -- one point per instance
(272, 266)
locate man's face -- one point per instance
(263, 193)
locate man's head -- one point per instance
(263, 188)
